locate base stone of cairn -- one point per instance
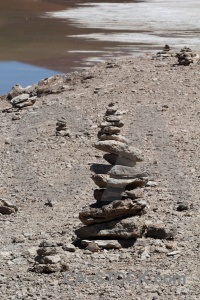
(116, 216)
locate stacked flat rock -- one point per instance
(116, 215)
(186, 57)
(23, 100)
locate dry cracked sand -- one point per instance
(47, 180)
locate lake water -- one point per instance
(42, 38)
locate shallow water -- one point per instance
(61, 36)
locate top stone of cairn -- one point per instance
(112, 142)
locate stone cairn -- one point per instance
(114, 221)
(22, 101)
(166, 52)
(61, 128)
(186, 57)
(48, 259)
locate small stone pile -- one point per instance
(116, 213)
(22, 101)
(61, 128)
(48, 259)
(166, 52)
(186, 57)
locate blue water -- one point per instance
(19, 73)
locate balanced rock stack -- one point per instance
(48, 259)
(61, 128)
(166, 52)
(187, 57)
(116, 215)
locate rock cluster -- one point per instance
(186, 57)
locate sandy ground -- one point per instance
(163, 112)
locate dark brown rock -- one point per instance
(108, 195)
(100, 168)
(127, 228)
(110, 130)
(47, 251)
(114, 210)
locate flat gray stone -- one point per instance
(19, 99)
(104, 181)
(116, 124)
(52, 259)
(127, 228)
(110, 130)
(29, 102)
(69, 247)
(114, 210)
(120, 149)
(111, 110)
(109, 244)
(112, 118)
(114, 159)
(100, 179)
(115, 137)
(126, 172)
(104, 244)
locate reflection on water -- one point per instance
(64, 35)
